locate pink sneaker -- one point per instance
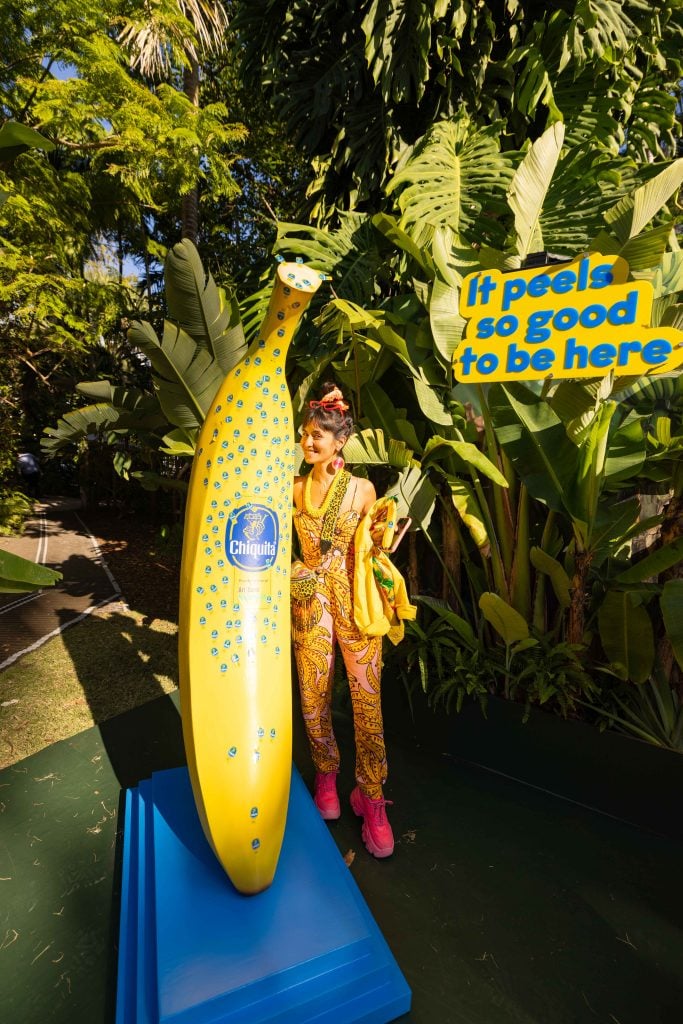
(376, 831)
(326, 799)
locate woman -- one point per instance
(329, 504)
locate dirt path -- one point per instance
(56, 535)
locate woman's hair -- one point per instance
(330, 411)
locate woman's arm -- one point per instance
(298, 491)
(366, 495)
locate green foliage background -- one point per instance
(396, 145)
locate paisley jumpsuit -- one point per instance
(331, 621)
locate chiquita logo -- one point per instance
(251, 537)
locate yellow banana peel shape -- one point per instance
(234, 625)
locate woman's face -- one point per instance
(318, 445)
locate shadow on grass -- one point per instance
(125, 668)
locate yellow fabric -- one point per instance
(380, 597)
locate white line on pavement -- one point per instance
(24, 599)
(56, 632)
(99, 558)
(41, 552)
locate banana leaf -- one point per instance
(647, 248)
(186, 377)
(179, 442)
(388, 226)
(431, 405)
(381, 412)
(534, 439)
(439, 447)
(16, 138)
(446, 614)
(507, 622)
(561, 584)
(590, 470)
(671, 603)
(633, 212)
(446, 323)
(613, 526)
(625, 453)
(19, 575)
(123, 410)
(368, 448)
(467, 507)
(626, 635)
(452, 261)
(654, 564)
(529, 187)
(154, 481)
(416, 496)
(201, 309)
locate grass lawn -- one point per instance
(112, 661)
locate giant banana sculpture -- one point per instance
(234, 638)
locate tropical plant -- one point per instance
(202, 340)
(536, 485)
(652, 712)
(441, 650)
(358, 85)
(14, 508)
(98, 203)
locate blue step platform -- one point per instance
(192, 950)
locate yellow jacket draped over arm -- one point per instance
(380, 598)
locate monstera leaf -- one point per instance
(455, 171)
(349, 254)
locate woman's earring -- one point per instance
(337, 463)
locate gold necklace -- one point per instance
(329, 510)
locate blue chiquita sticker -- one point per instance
(251, 537)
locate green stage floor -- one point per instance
(502, 905)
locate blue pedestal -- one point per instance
(193, 950)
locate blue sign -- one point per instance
(251, 537)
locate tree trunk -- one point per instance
(190, 201)
(671, 529)
(579, 597)
(413, 566)
(451, 557)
